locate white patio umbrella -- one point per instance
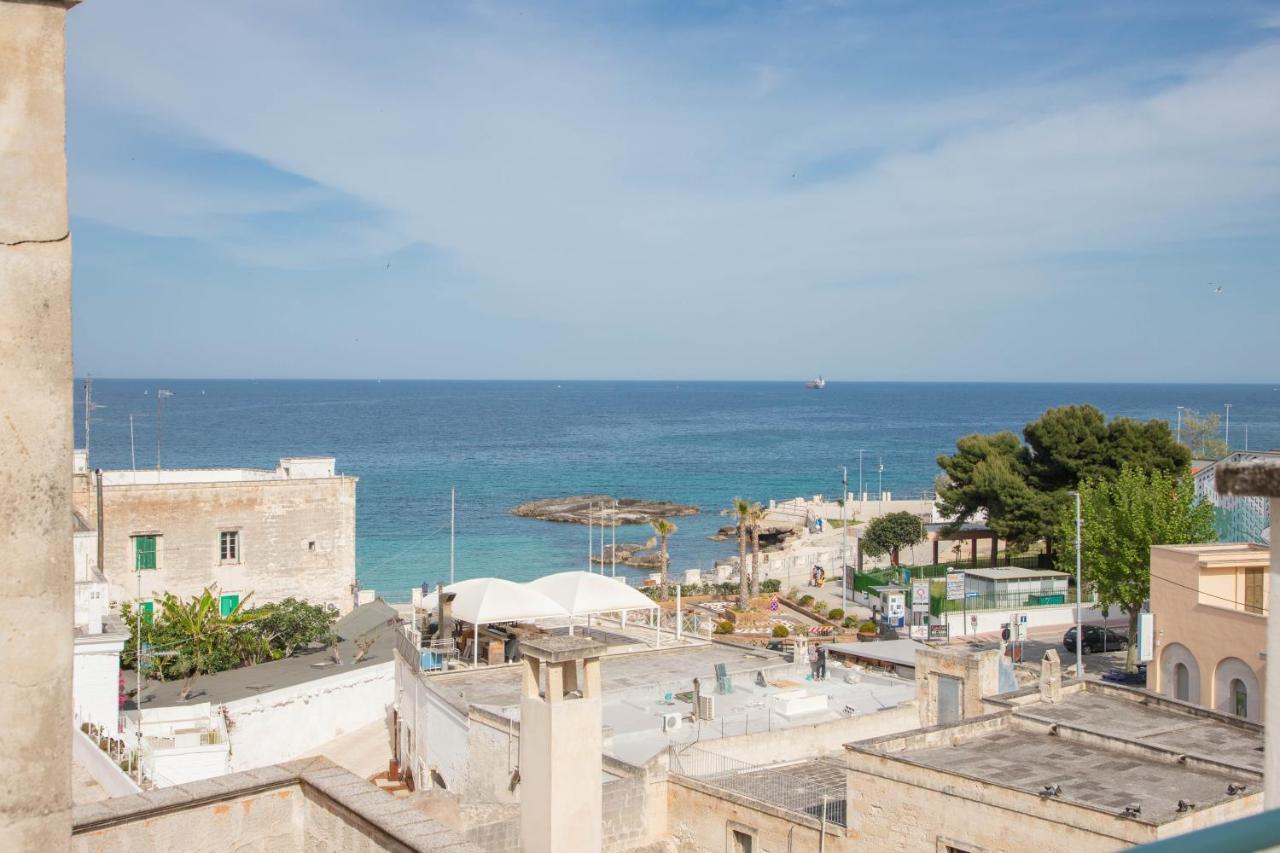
(483, 601)
(584, 593)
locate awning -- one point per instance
(581, 593)
(482, 601)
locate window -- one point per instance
(1181, 682)
(740, 842)
(1253, 589)
(229, 546)
(311, 546)
(144, 552)
(1239, 698)
(227, 604)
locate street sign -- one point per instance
(920, 596)
(919, 632)
(1022, 618)
(955, 586)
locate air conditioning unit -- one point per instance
(706, 707)
(671, 722)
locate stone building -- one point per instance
(267, 533)
(1208, 605)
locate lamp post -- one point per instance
(1226, 434)
(1079, 591)
(844, 538)
(1180, 408)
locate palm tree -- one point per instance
(740, 511)
(663, 528)
(755, 517)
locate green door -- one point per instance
(227, 604)
(147, 609)
(144, 552)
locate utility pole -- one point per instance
(89, 406)
(860, 489)
(161, 394)
(1226, 436)
(453, 500)
(590, 534)
(1079, 592)
(880, 499)
(844, 538)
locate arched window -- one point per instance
(1239, 698)
(1181, 683)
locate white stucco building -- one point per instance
(99, 637)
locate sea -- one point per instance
(499, 443)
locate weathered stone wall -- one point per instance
(701, 819)
(978, 670)
(297, 538)
(308, 805)
(36, 600)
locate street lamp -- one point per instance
(1079, 591)
(1180, 408)
(1226, 436)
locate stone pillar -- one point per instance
(1261, 478)
(560, 745)
(35, 431)
(1051, 678)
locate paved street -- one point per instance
(1041, 640)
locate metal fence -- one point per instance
(809, 788)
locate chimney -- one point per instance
(560, 745)
(1051, 678)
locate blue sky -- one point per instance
(739, 190)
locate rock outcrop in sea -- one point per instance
(578, 509)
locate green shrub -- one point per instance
(819, 607)
(770, 585)
(781, 631)
(868, 627)
(724, 626)
(849, 622)
(805, 600)
(835, 614)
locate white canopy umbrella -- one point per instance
(483, 601)
(584, 593)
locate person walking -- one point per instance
(813, 663)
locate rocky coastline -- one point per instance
(601, 509)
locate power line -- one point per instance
(1196, 589)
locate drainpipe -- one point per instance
(101, 532)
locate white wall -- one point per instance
(168, 767)
(95, 682)
(1037, 617)
(100, 766)
(280, 725)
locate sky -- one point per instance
(1005, 191)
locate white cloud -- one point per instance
(561, 166)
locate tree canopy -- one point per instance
(889, 533)
(1022, 485)
(1203, 435)
(1122, 518)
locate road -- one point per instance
(1040, 640)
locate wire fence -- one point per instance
(809, 788)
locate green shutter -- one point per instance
(144, 552)
(147, 609)
(227, 604)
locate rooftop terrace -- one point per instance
(637, 685)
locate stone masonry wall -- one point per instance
(297, 538)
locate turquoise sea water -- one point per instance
(502, 443)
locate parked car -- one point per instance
(1119, 676)
(1096, 639)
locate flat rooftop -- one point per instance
(637, 685)
(304, 666)
(1012, 574)
(1027, 758)
(1112, 747)
(1140, 720)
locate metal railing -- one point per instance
(807, 788)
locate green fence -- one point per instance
(938, 603)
